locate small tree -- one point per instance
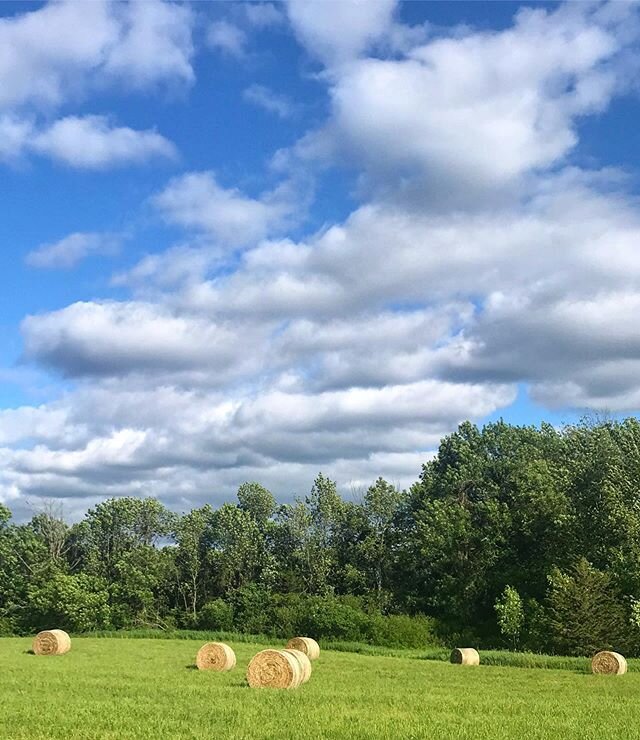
(635, 612)
(510, 614)
(586, 612)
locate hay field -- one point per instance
(145, 688)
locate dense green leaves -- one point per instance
(523, 535)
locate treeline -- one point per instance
(513, 536)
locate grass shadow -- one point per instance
(191, 667)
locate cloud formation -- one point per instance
(480, 255)
(59, 53)
(72, 249)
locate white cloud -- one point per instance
(471, 115)
(15, 134)
(91, 142)
(54, 53)
(480, 260)
(164, 436)
(262, 15)
(101, 339)
(155, 43)
(227, 38)
(197, 201)
(271, 101)
(339, 32)
(59, 53)
(72, 249)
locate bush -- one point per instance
(7, 627)
(335, 618)
(252, 609)
(216, 615)
(78, 603)
(402, 630)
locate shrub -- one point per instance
(77, 603)
(402, 630)
(335, 618)
(7, 627)
(216, 615)
(252, 609)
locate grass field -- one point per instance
(148, 688)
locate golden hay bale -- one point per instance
(306, 645)
(608, 663)
(274, 669)
(215, 656)
(305, 663)
(51, 642)
(465, 656)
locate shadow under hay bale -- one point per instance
(465, 656)
(51, 642)
(306, 645)
(607, 663)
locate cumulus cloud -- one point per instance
(467, 117)
(92, 142)
(55, 52)
(280, 438)
(263, 97)
(340, 33)
(15, 134)
(196, 200)
(61, 52)
(479, 259)
(72, 249)
(155, 44)
(96, 339)
(83, 142)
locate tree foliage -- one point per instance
(517, 533)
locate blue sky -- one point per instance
(255, 240)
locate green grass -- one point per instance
(147, 688)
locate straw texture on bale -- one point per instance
(465, 656)
(215, 656)
(306, 645)
(274, 669)
(608, 663)
(303, 660)
(51, 642)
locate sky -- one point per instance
(255, 241)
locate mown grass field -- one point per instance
(148, 688)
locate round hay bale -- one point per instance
(303, 660)
(608, 663)
(274, 669)
(465, 656)
(306, 645)
(51, 642)
(215, 656)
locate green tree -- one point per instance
(191, 558)
(380, 507)
(510, 615)
(237, 549)
(586, 612)
(257, 501)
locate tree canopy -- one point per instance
(511, 535)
